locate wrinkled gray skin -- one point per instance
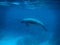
(33, 22)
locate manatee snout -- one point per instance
(22, 22)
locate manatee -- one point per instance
(29, 21)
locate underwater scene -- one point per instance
(29, 22)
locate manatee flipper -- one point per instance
(27, 24)
(27, 27)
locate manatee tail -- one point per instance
(44, 28)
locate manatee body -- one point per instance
(29, 21)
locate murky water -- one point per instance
(12, 32)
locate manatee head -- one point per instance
(22, 21)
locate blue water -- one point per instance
(14, 33)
